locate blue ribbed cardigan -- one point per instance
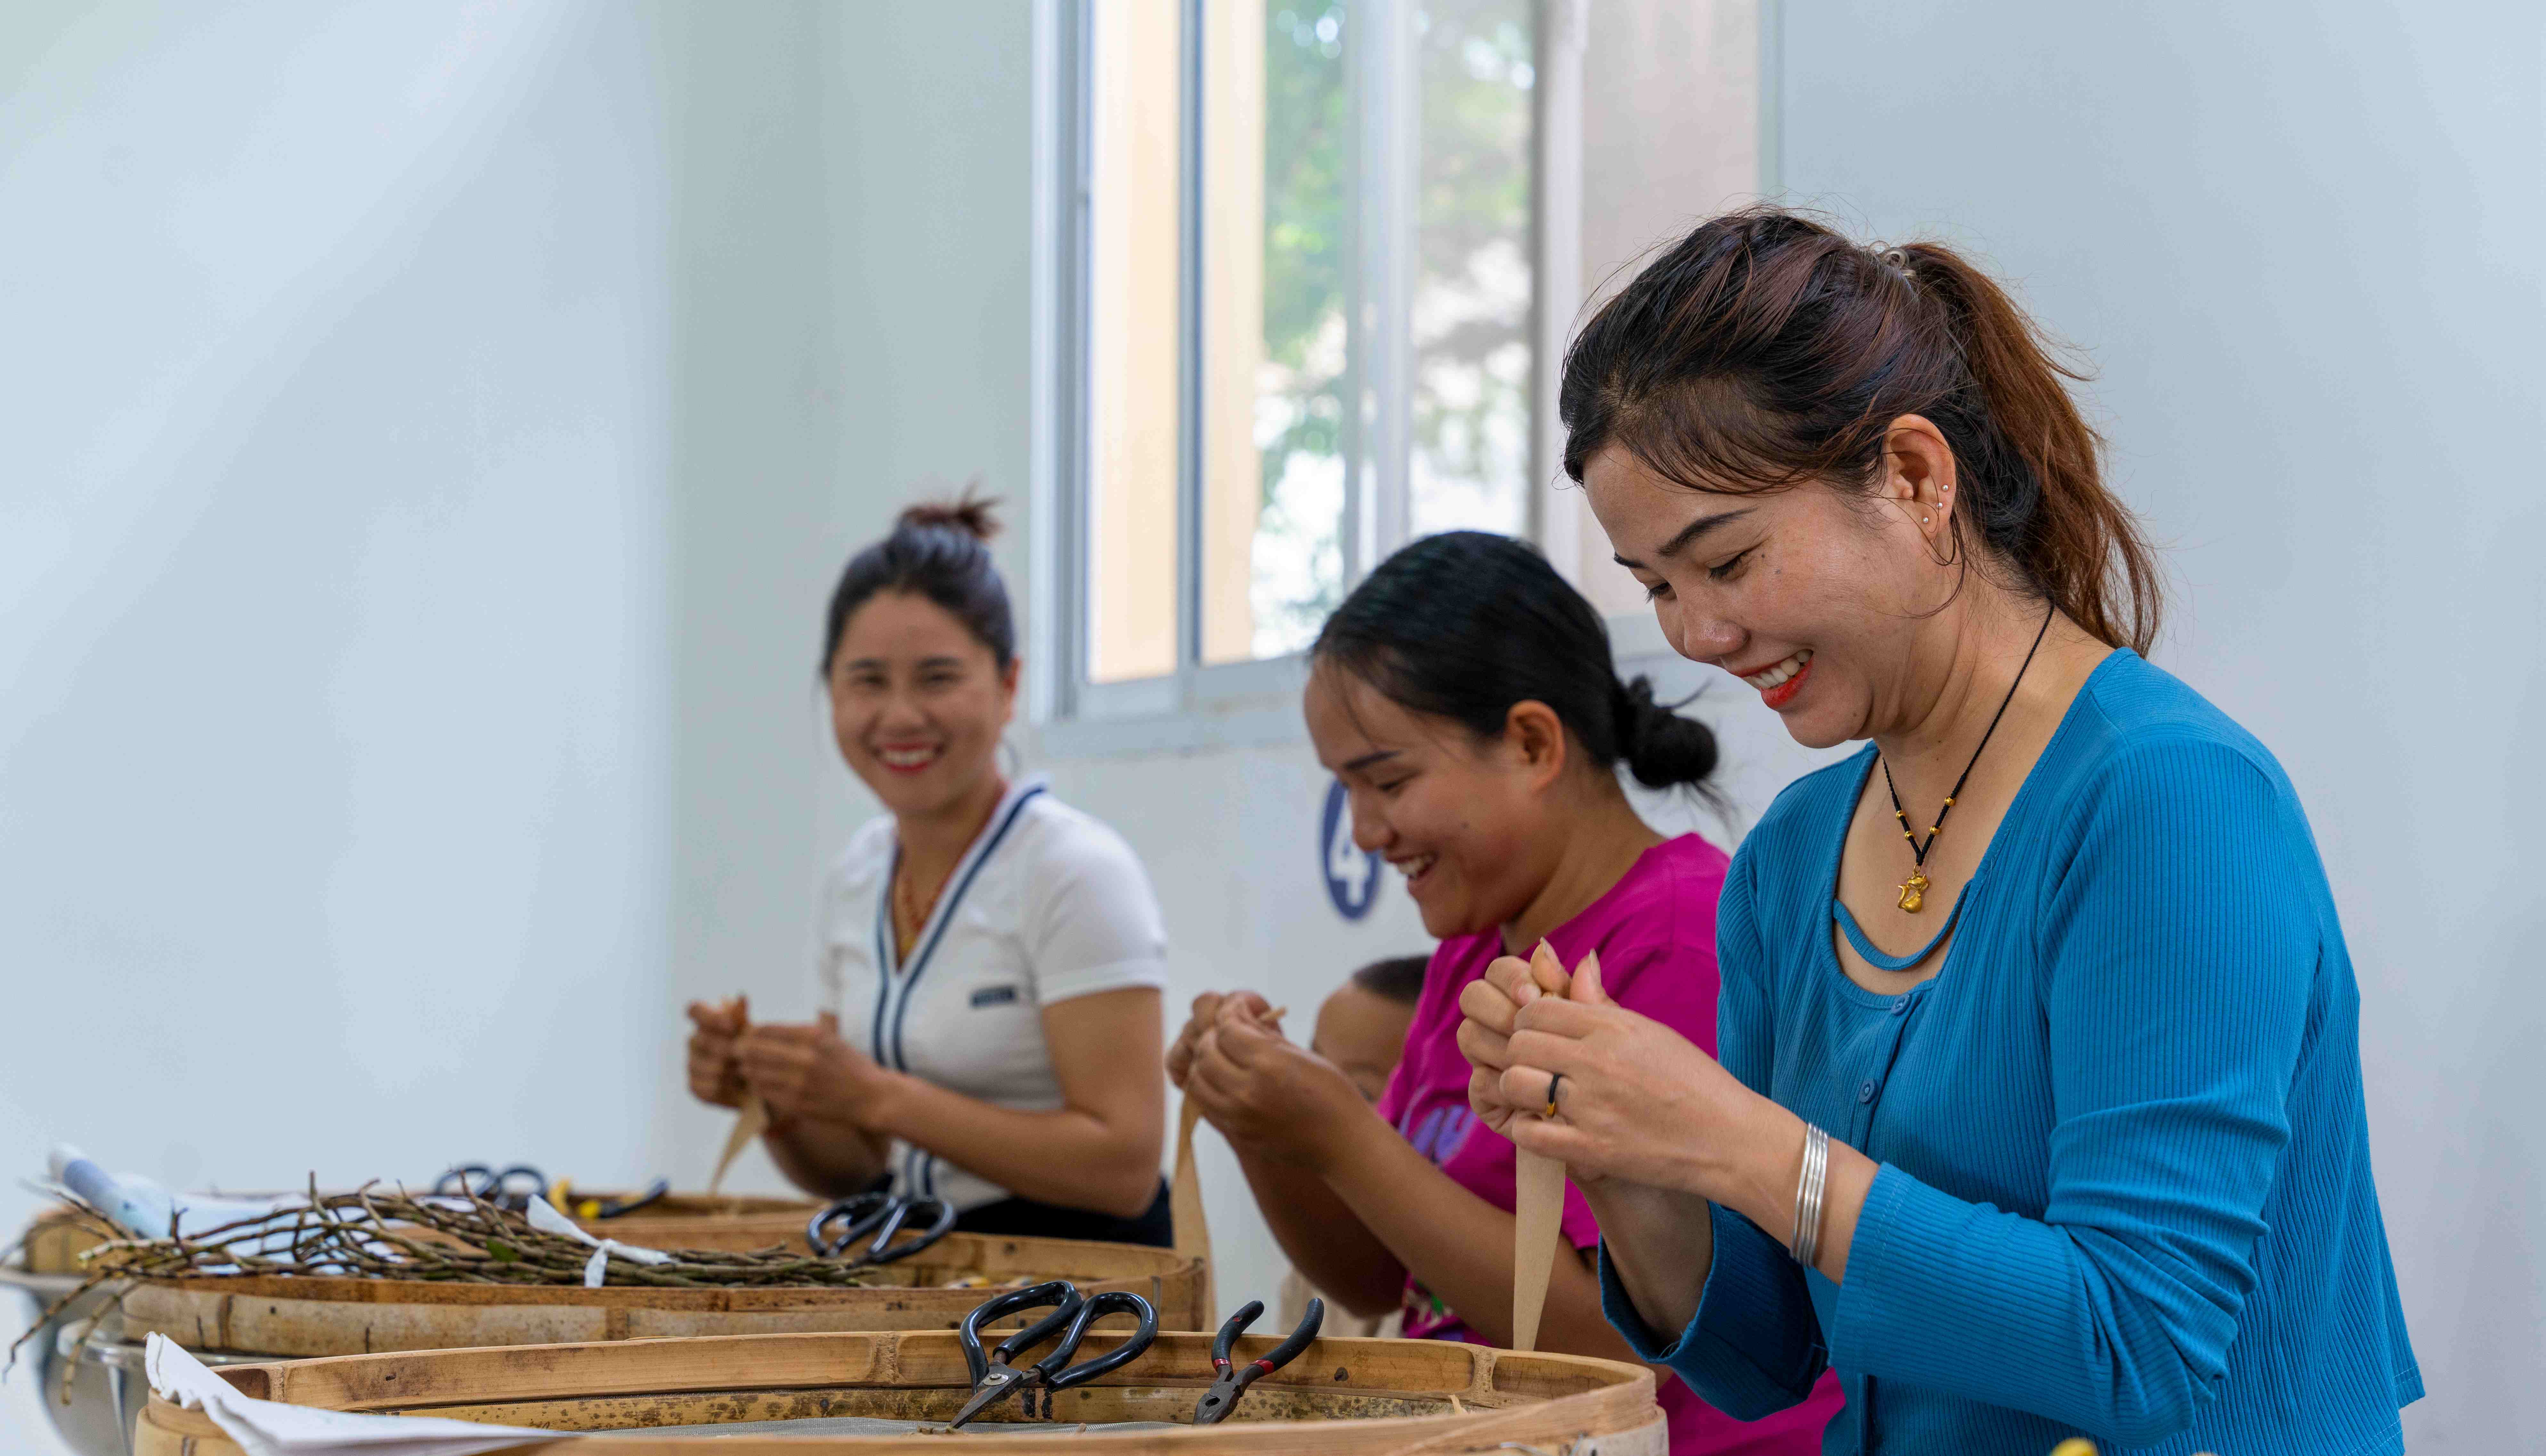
(2125, 1186)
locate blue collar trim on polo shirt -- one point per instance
(946, 907)
(891, 975)
(919, 1169)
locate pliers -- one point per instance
(1232, 1380)
(996, 1377)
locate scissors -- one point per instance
(514, 1187)
(882, 1215)
(511, 1189)
(1232, 1380)
(592, 1210)
(996, 1377)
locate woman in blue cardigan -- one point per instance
(2039, 1111)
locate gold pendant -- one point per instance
(1913, 892)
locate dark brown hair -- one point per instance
(1465, 624)
(1399, 979)
(1765, 349)
(939, 550)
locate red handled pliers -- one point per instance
(1232, 1380)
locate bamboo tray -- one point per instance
(54, 1241)
(294, 1317)
(732, 1222)
(1340, 1398)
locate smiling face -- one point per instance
(917, 703)
(1469, 822)
(1814, 598)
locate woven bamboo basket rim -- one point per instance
(1426, 1396)
(290, 1316)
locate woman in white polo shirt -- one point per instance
(991, 960)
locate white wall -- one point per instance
(851, 206)
(2301, 242)
(335, 826)
(414, 526)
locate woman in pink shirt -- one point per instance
(1465, 696)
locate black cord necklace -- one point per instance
(1914, 891)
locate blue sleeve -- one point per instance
(2179, 951)
(1754, 1346)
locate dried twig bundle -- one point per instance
(369, 1233)
(377, 1234)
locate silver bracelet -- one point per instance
(1806, 1242)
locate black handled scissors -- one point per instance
(612, 1208)
(996, 1376)
(512, 1189)
(882, 1215)
(1232, 1380)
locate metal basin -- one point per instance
(93, 1390)
(116, 1363)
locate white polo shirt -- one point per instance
(1049, 903)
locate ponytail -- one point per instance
(1765, 349)
(2072, 538)
(1465, 624)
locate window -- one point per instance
(1296, 254)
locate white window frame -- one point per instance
(1201, 704)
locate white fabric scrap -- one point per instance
(547, 1220)
(276, 1428)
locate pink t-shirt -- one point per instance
(1655, 930)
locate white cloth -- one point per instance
(545, 1218)
(1047, 905)
(278, 1428)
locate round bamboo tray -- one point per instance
(1340, 1398)
(296, 1317)
(734, 1223)
(56, 1237)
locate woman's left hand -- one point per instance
(810, 1072)
(1638, 1101)
(1266, 1094)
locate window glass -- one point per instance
(1472, 286)
(1276, 263)
(1137, 192)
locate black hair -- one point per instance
(1397, 979)
(939, 550)
(1465, 624)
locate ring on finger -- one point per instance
(1553, 1079)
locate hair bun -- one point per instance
(966, 513)
(1663, 749)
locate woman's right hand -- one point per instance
(1490, 1009)
(1205, 1014)
(715, 1070)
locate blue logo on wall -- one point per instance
(1351, 872)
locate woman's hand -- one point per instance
(810, 1072)
(1265, 1094)
(716, 1074)
(1206, 1015)
(1491, 1008)
(1640, 1102)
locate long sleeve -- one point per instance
(2178, 953)
(1754, 1346)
